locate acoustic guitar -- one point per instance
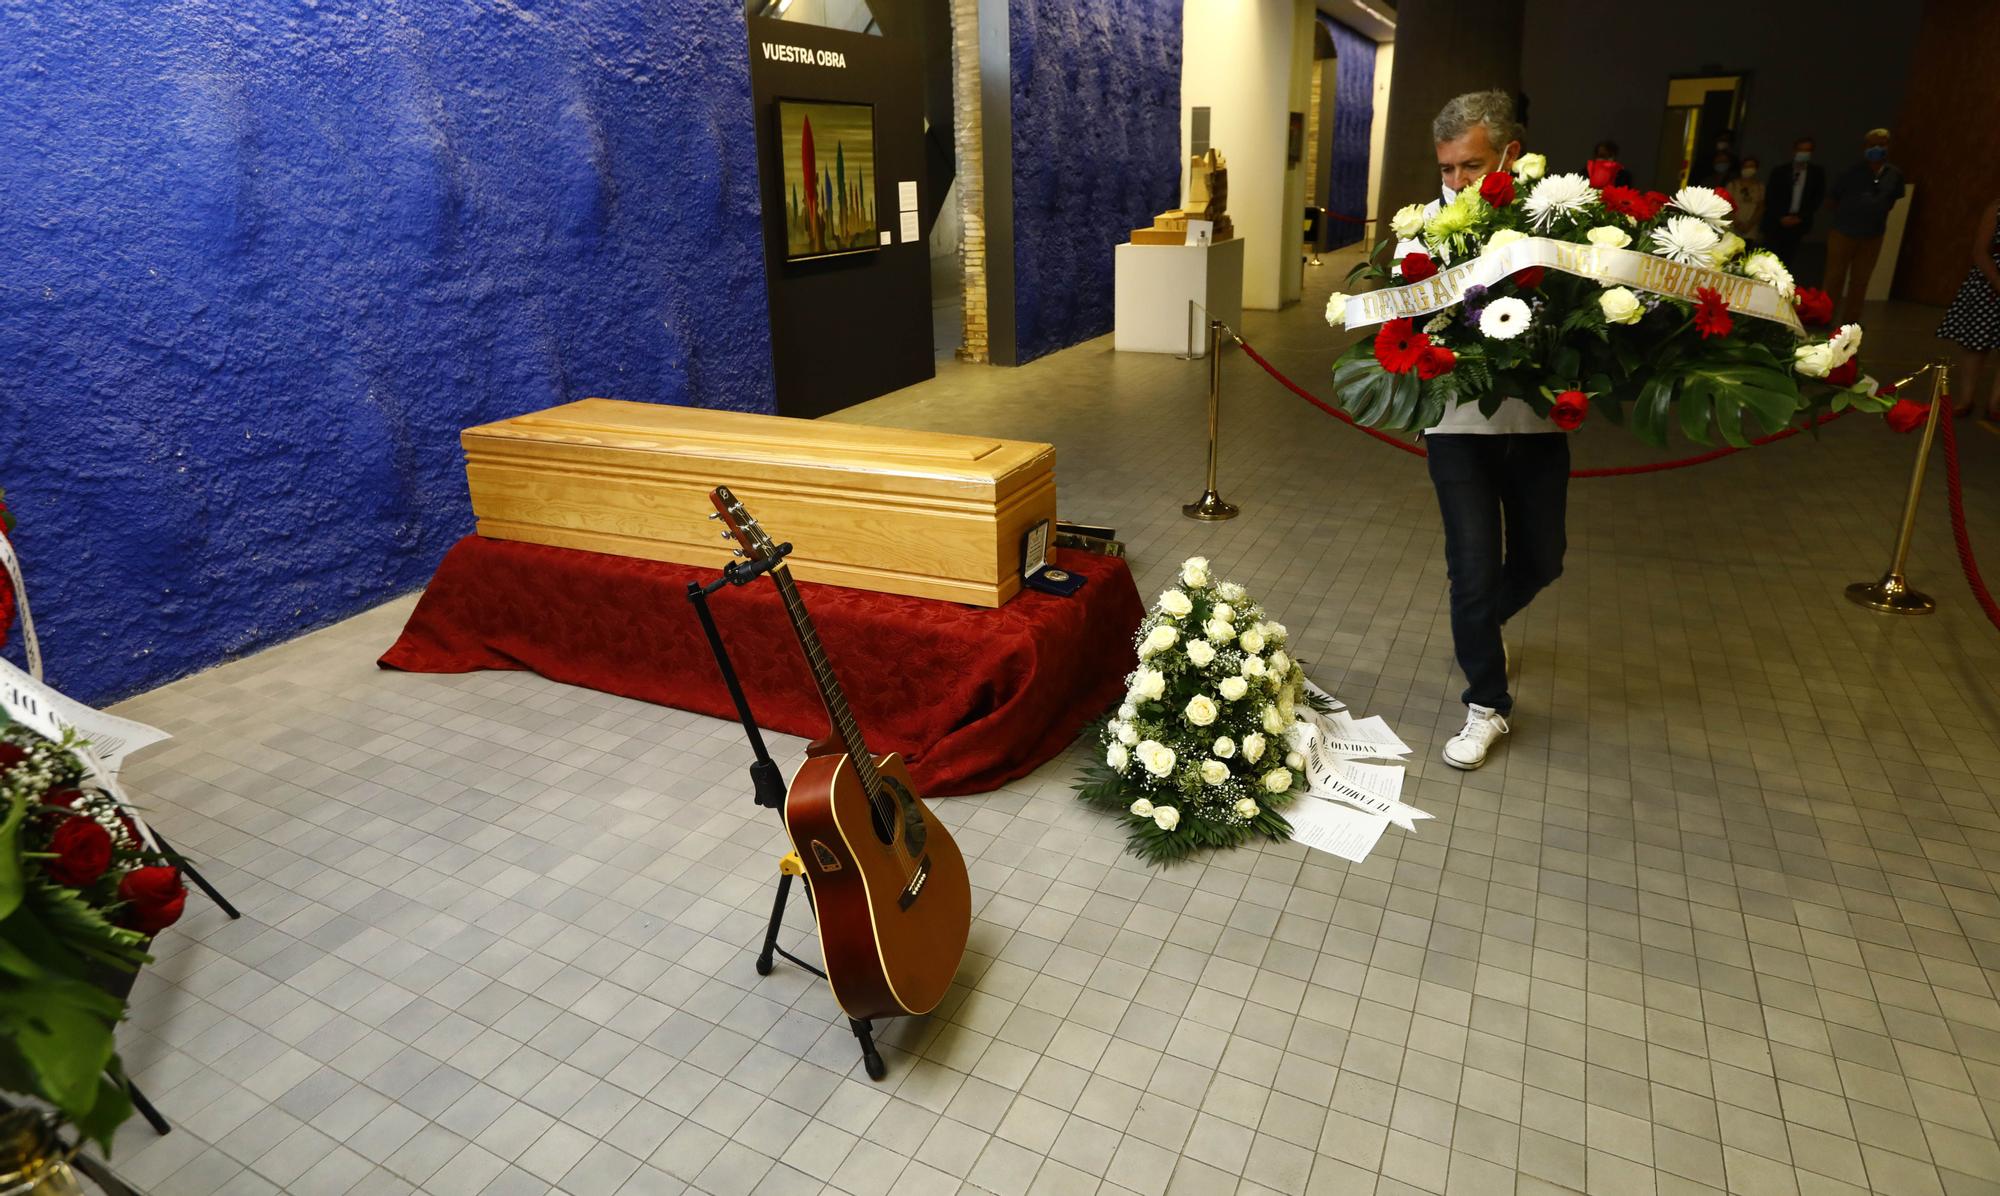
(888, 885)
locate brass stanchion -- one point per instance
(1892, 594)
(1209, 506)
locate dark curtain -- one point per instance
(1353, 114)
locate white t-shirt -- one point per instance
(1513, 418)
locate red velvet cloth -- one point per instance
(971, 697)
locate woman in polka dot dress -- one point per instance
(1974, 322)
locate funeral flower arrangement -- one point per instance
(1201, 752)
(6, 585)
(1623, 305)
(81, 894)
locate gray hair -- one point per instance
(1494, 109)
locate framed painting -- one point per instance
(827, 151)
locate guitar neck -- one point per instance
(823, 676)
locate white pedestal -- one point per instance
(1158, 287)
(1892, 247)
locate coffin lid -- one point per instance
(768, 445)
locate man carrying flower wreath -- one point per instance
(1502, 479)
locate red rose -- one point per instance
(1815, 306)
(155, 896)
(1845, 373)
(83, 852)
(1417, 266)
(1497, 188)
(1529, 277)
(1603, 172)
(1398, 346)
(1907, 415)
(1711, 315)
(1570, 409)
(1435, 360)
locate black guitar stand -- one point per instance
(768, 788)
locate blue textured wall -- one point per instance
(1353, 118)
(260, 262)
(1096, 145)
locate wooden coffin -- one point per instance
(931, 514)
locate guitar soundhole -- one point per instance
(914, 832)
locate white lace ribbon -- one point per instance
(1611, 267)
(13, 565)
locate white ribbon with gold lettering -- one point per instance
(1612, 267)
(13, 567)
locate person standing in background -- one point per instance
(1862, 197)
(1791, 201)
(1721, 167)
(1746, 190)
(1974, 320)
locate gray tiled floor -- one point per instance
(1720, 916)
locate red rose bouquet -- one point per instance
(82, 891)
(1577, 295)
(6, 584)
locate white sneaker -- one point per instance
(1483, 727)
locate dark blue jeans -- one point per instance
(1503, 499)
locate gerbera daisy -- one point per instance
(1689, 240)
(1398, 346)
(1711, 314)
(1559, 195)
(1627, 202)
(1504, 319)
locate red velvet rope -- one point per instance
(1958, 532)
(1613, 471)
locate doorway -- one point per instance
(1701, 111)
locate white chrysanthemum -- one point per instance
(1201, 710)
(1702, 202)
(1609, 236)
(1117, 756)
(1408, 220)
(1529, 167)
(1504, 319)
(1621, 306)
(1194, 572)
(1159, 761)
(1166, 817)
(1502, 239)
(1765, 267)
(1845, 344)
(1201, 652)
(1142, 808)
(1214, 772)
(1559, 195)
(1336, 310)
(1219, 633)
(1688, 240)
(1177, 604)
(1246, 808)
(1225, 747)
(1278, 780)
(1158, 640)
(1148, 685)
(1229, 591)
(1233, 688)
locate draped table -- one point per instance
(972, 697)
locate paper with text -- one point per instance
(1335, 828)
(1324, 696)
(1358, 738)
(49, 713)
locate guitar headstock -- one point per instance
(754, 542)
